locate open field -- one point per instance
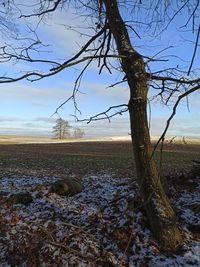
(12, 139)
(86, 157)
(97, 227)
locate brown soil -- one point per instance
(85, 149)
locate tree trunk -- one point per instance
(159, 211)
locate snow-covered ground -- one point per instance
(41, 140)
(97, 227)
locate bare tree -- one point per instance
(184, 140)
(78, 133)
(113, 45)
(62, 129)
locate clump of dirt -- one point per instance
(195, 170)
(24, 198)
(67, 187)
(185, 179)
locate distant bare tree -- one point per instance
(78, 133)
(184, 140)
(62, 129)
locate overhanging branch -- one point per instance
(30, 75)
(161, 139)
(48, 10)
(84, 48)
(105, 116)
(176, 80)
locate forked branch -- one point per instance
(162, 137)
(105, 114)
(46, 11)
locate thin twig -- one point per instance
(192, 90)
(195, 50)
(56, 3)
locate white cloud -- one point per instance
(8, 119)
(45, 119)
(38, 95)
(119, 126)
(195, 102)
(116, 127)
(116, 94)
(62, 33)
(179, 126)
(24, 131)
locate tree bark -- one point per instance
(160, 214)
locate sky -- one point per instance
(27, 108)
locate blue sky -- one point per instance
(26, 108)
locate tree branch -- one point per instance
(195, 50)
(56, 3)
(192, 90)
(83, 49)
(176, 80)
(104, 115)
(40, 76)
